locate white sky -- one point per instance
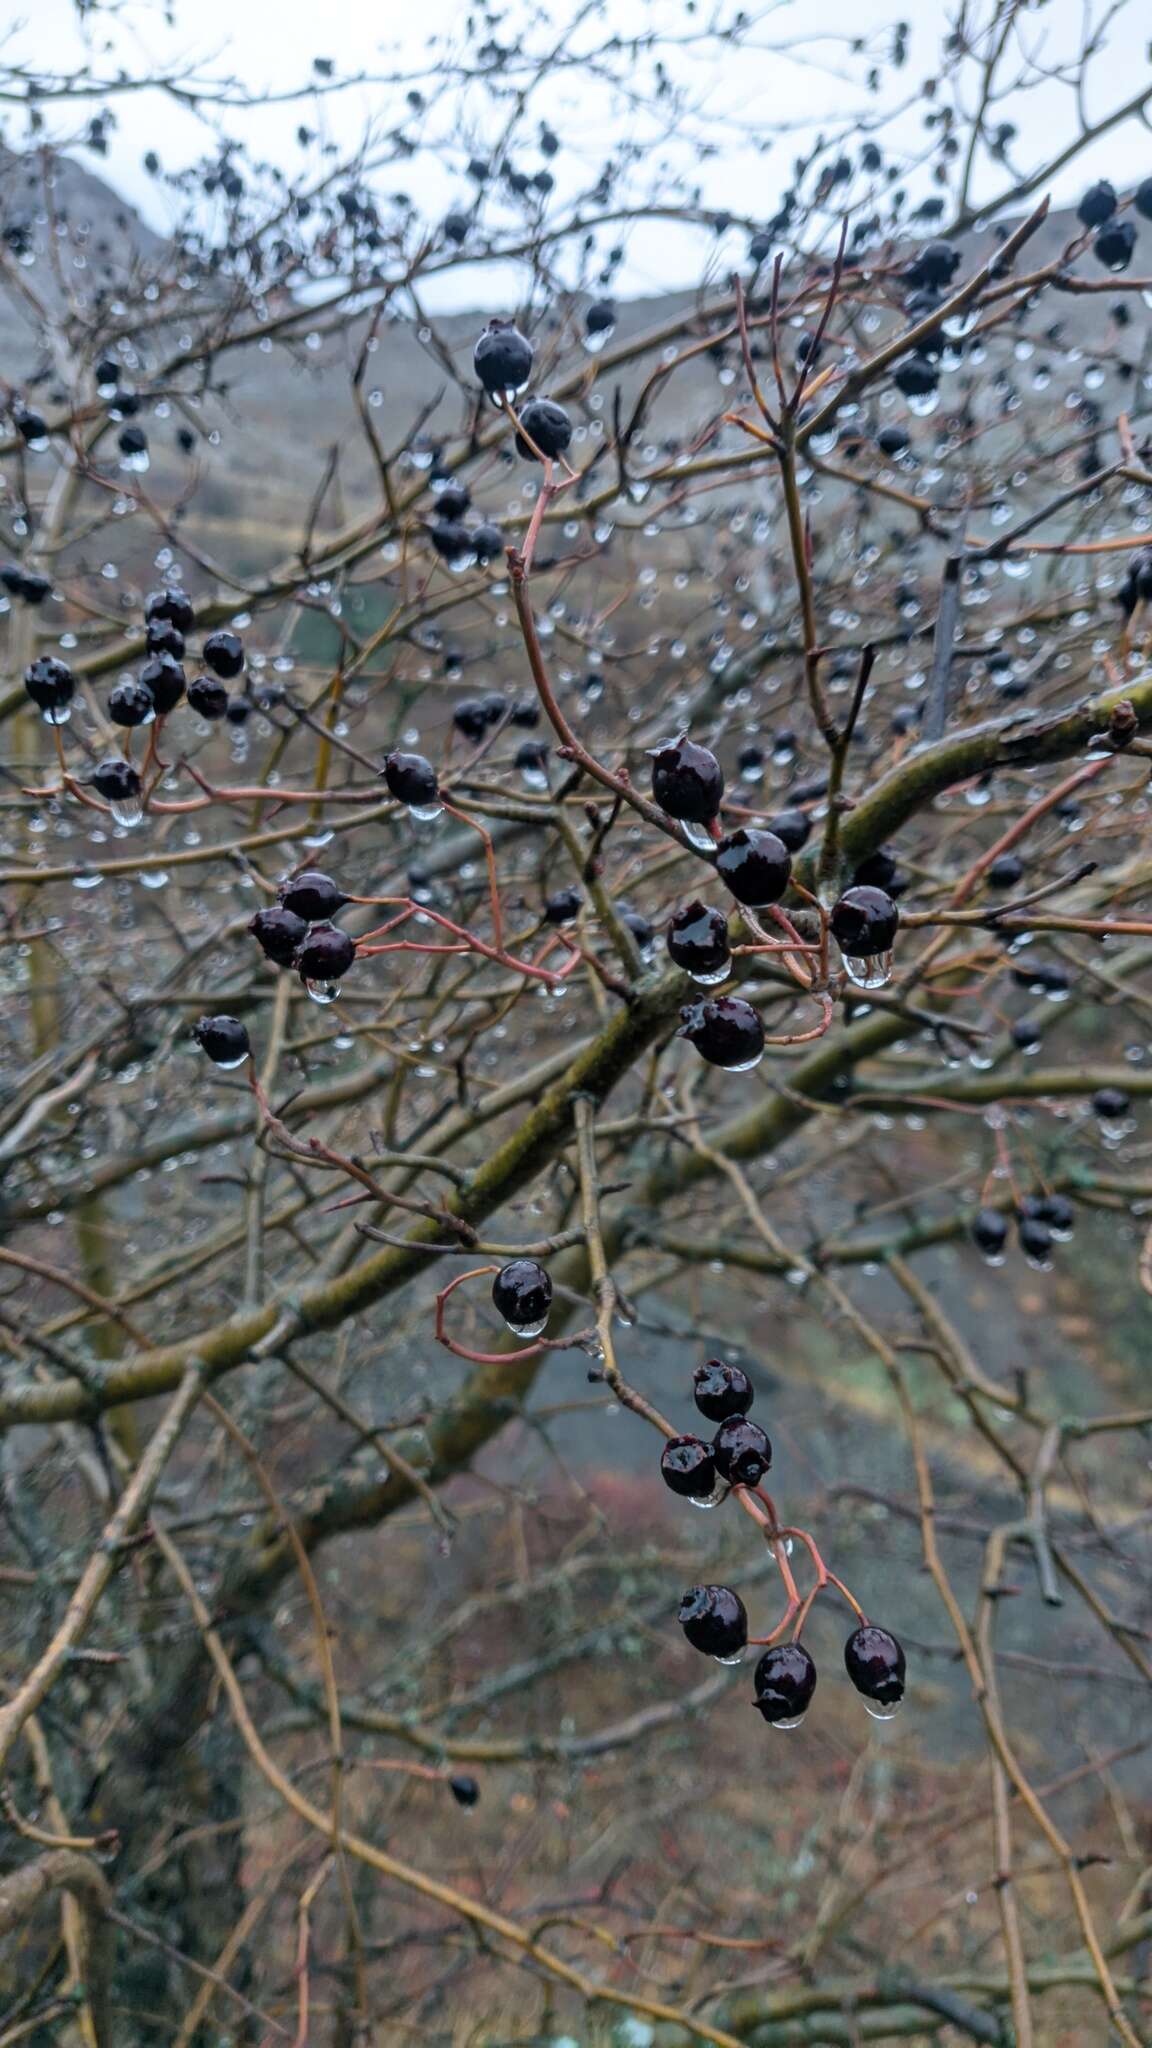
(269, 45)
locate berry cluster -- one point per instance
(714, 1618)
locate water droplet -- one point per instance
(425, 814)
(319, 837)
(786, 1726)
(527, 1330)
(746, 1066)
(711, 980)
(127, 810)
(923, 407)
(737, 1659)
(226, 1066)
(154, 878)
(87, 881)
(711, 1500)
(697, 835)
(323, 991)
(877, 1710)
(871, 971)
(58, 715)
(595, 342)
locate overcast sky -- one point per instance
(270, 44)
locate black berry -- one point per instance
(224, 654)
(785, 1680)
(791, 828)
(865, 921)
(544, 427)
(1114, 244)
(687, 781)
(1110, 1103)
(224, 1039)
(51, 685)
(563, 906)
(874, 1662)
(279, 933)
(725, 1030)
(502, 359)
(411, 780)
(1035, 1240)
(1097, 205)
(465, 1791)
(989, 1232)
(131, 704)
(311, 895)
(688, 1467)
(933, 267)
(325, 953)
(755, 865)
(714, 1620)
(721, 1390)
(208, 697)
(742, 1451)
(698, 942)
(116, 780)
(163, 678)
(522, 1294)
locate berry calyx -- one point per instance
(874, 1662)
(697, 941)
(715, 1622)
(720, 1390)
(312, 895)
(502, 359)
(742, 1451)
(279, 933)
(687, 781)
(688, 1468)
(522, 1294)
(224, 1039)
(726, 1032)
(755, 865)
(784, 1682)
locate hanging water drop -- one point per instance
(322, 991)
(871, 970)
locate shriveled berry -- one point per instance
(224, 654)
(411, 779)
(714, 1620)
(207, 697)
(687, 781)
(698, 942)
(874, 1662)
(784, 1681)
(224, 1039)
(865, 921)
(545, 430)
(726, 1031)
(279, 933)
(688, 1467)
(502, 358)
(720, 1390)
(742, 1451)
(755, 865)
(325, 953)
(311, 895)
(522, 1294)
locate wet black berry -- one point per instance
(688, 1467)
(311, 895)
(325, 953)
(893, 440)
(1110, 1103)
(742, 1451)
(725, 1030)
(488, 541)
(1097, 205)
(116, 780)
(132, 441)
(563, 906)
(224, 654)
(475, 716)
(175, 606)
(865, 921)
(224, 1039)
(544, 426)
(785, 1680)
(279, 932)
(208, 697)
(163, 678)
(502, 358)
(1005, 872)
(131, 704)
(687, 781)
(792, 828)
(161, 637)
(600, 317)
(1026, 1035)
(641, 927)
(1114, 244)
(755, 865)
(874, 1662)
(698, 941)
(1035, 1240)
(452, 540)
(522, 1294)
(411, 779)
(453, 500)
(714, 1620)
(26, 584)
(989, 1232)
(465, 1791)
(1042, 978)
(30, 425)
(721, 1390)
(50, 683)
(1057, 1212)
(934, 266)
(916, 378)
